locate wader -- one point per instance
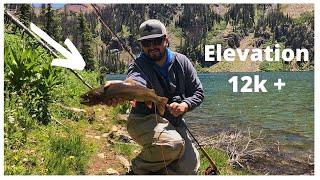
(165, 149)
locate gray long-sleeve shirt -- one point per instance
(183, 83)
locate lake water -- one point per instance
(285, 116)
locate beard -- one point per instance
(155, 54)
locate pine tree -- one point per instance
(52, 23)
(86, 40)
(56, 26)
(48, 19)
(42, 17)
(25, 13)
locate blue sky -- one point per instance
(53, 5)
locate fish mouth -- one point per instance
(85, 99)
(85, 102)
(88, 102)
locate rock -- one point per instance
(114, 128)
(124, 138)
(105, 135)
(111, 171)
(124, 161)
(122, 131)
(122, 117)
(88, 136)
(101, 155)
(111, 135)
(73, 109)
(28, 152)
(41, 160)
(110, 142)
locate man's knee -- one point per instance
(189, 163)
(157, 156)
(174, 150)
(160, 141)
(164, 152)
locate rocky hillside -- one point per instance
(191, 26)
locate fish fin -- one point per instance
(130, 81)
(162, 105)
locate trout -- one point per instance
(127, 91)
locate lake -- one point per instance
(285, 116)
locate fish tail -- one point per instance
(161, 105)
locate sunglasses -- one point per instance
(156, 41)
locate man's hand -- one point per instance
(148, 103)
(115, 101)
(177, 109)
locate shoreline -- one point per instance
(261, 159)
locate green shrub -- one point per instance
(67, 155)
(124, 31)
(272, 66)
(223, 25)
(32, 89)
(17, 121)
(71, 88)
(29, 73)
(122, 109)
(200, 69)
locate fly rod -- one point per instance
(210, 170)
(213, 170)
(97, 13)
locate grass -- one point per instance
(128, 150)
(63, 149)
(62, 146)
(69, 92)
(49, 150)
(221, 160)
(67, 155)
(37, 149)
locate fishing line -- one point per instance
(95, 10)
(43, 44)
(98, 14)
(164, 160)
(209, 171)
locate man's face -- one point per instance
(155, 49)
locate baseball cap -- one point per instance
(151, 28)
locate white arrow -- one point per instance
(74, 59)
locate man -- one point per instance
(167, 149)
